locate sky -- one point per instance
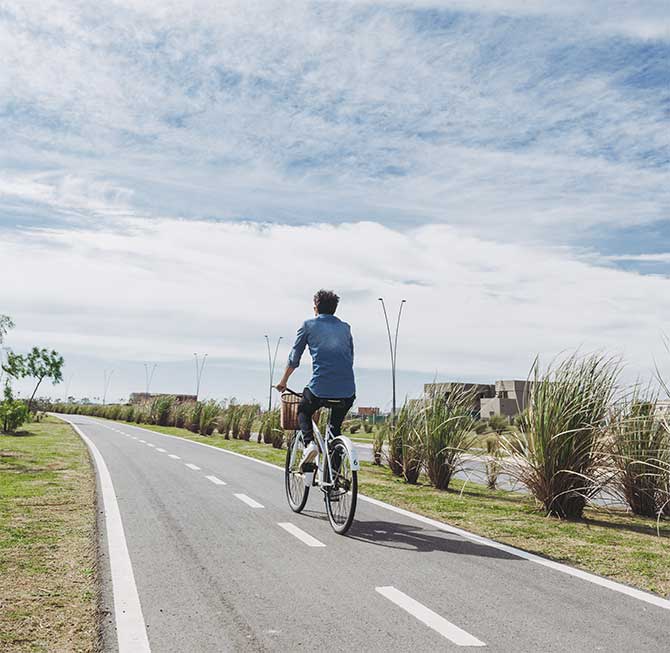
(179, 178)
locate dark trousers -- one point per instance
(310, 403)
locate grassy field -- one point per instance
(48, 589)
(610, 543)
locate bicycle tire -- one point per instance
(341, 502)
(297, 497)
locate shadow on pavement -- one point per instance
(410, 538)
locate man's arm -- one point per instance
(294, 357)
(281, 386)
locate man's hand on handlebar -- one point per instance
(281, 386)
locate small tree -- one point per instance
(39, 364)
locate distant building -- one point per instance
(511, 398)
(505, 397)
(479, 391)
(367, 411)
(141, 397)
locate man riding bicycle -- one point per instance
(332, 385)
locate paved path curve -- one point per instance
(220, 563)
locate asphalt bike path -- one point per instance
(221, 563)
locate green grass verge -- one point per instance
(48, 588)
(610, 543)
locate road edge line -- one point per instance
(613, 585)
(131, 630)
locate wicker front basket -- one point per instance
(288, 414)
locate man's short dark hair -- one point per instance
(326, 301)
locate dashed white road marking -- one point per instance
(192, 466)
(149, 444)
(215, 480)
(433, 620)
(249, 501)
(171, 455)
(143, 441)
(161, 450)
(300, 534)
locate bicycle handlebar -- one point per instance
(289, 391)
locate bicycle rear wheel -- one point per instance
(341, 498)
(296, 490)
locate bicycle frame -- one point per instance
(325, 465)
(324, 458)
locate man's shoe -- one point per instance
(308, 455)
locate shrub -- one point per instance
(394, 451)
(235, 417)
(13, 412)
(271, 428)
(354, 428)
(561, 451)
(113, 412)
(192, 420)
(208, 416)
(498, 424)
(493, 461)
(142, 414)
(407, 441)
(447, 432)
(378, 444)
(179, 414)
(247, 419)
(161, 409)
(639, 440)
(223, 423)
(367, 427)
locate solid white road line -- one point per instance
(433, 620)
(171, 455)
(161, 450)
(300, 534)
(249, 501)
(640, 595)
(192, 466)
(215, 480)
(130, 629)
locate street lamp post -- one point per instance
(108, 380)
(148, 376)
(271, 366)
(393, 348)
(198, 373)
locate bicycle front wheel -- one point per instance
(296, 490)
(341, 497)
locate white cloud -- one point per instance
(164, 289)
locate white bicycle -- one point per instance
(334, 472)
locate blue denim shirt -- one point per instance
(332, 349)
